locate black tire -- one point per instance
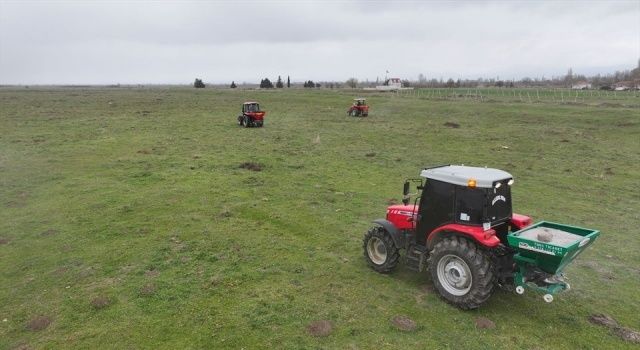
(452, 262)
(240, 120)
(380, 252)
(247, 122)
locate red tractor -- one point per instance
(461, 229)
(251, 115)
(359, 108)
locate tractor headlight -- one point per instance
(510, 182)
(498, 185)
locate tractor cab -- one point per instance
(359, 102)
(250, 107)
(479, 198)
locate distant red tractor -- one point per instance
(359, 108)
(251, 115)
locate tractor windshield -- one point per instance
(254, 107)
(499, 202)
(480, 205)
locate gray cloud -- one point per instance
(174, 42)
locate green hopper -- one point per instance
(536, 258)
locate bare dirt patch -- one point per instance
(144, 151)
(152, 273)
(60, 270)
(452, 125)
(426, 288)
(321, 328)
(38, 323)
(602, 320)
(4, 240)
(484, 323)
(370, 154)
(404, 323)
(49, 232)
(627, 334)
(22, 346)
(100, 302)
(148, 290)
(225, 213)
(392, 201)
(624, 333)
(251, 166)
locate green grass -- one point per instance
(136, 195)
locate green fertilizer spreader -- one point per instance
(539, 263)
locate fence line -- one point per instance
(522, 95)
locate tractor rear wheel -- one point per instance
(379, 250)
(461, 272)
(247, 122)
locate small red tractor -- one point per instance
(359, 108)
(461, 229)
(251, 115)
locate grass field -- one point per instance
(126, 221)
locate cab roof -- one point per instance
(250, 103)
(460, 175)
(359, 99)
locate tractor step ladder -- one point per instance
(416, 258)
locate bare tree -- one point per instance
(352, 82)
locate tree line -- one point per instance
(631, 77)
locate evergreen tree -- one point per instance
(233, 85)
(279, 83)
(288, 82)
(266, 84)
(198, 84)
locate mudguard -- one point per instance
(396, 236)
(486, 238)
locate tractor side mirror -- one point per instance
(405, 193)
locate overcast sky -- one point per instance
(103, 42)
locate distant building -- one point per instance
(627, 85)
(581, 85)
(391, 84)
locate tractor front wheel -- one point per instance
(379, 250)
(461, 272)
(247, 122)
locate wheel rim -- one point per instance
(377, 251)
(454, 275)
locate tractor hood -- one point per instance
(402, 216)
(403, 209)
